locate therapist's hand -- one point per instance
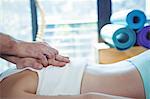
(59, 61)
(37, 50)
(28, 62)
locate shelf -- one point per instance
(112, 55)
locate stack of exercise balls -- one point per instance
(129, 31)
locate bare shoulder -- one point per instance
(24, 81)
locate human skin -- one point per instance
(38, 50)
(35, 63)
(116, 81)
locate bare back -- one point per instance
(118, 80)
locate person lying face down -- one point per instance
(80, 80)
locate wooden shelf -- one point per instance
(112, 55)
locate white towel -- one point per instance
(55, 81)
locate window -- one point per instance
(71, 26)
(120, 6)
(15, 19)
(147, 9)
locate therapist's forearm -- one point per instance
(7, 45)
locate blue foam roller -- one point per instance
(124, 38)
(136, 19)
(119, 36)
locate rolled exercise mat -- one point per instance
(120, 17)
(134, 19)
(119, 36)
(143, 37)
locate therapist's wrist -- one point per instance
(20, 48)
(15, 47)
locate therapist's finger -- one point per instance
(54, 51)
(54, 62)
(37, 66)
(50, 53)
(62, 58)
(51, 48)
(43, 59)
